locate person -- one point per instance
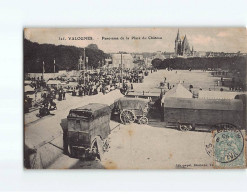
(60, 95)
(53, 105)
(103, 90)
(26, 104)
(64, 95)
(95, 91)
(73, 92)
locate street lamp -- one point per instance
(84, 63)
(121, 67)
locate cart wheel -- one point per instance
(70, 151)
(95, 150)
(185, 127)
(143, 120)
(146, 109)
(127, 116)
(106, 145)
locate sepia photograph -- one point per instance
(134, 98)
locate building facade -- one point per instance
(159, 55)
(125, 59)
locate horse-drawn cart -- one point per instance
(131, 110)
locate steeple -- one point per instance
(185, 42)
(178, 36)
(185, 39)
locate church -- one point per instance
(182, 47)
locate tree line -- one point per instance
(232, 64)
(229, 63)
(66, 57)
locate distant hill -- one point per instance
(66, 57)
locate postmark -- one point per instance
(225, 145)
(228, 145)
(208, 141)
(208, 144)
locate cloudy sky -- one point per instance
(202, 39)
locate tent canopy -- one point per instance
(178, 91)
(53, 82)
(108, 98)
(73, 83)
(27, 82)
(28, 88)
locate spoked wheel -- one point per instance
(145, 110)
(143, 120)
(127, 116)
(95, 151)
(106, 145)
(185, 127)
(70, 151)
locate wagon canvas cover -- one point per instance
(136, 98)
(131, 103)
(91, 111)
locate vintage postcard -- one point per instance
(135, 98)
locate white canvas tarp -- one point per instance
(28, 88)
(178, 91)
(108, 98)
(217, 95)
(53, 82)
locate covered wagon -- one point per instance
(88, 129)
(131, 110)
(190, 113)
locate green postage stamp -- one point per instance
(229, 148)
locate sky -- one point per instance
(202, 39)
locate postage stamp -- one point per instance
(229, 148)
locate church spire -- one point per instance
(178, 36)
(185, 40)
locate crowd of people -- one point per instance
(89, 83)
(107, 80)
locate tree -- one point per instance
(92, 46)
(156, 63)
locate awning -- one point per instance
(178, 91)
(53, 82)
(28, 88)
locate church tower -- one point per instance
(178, 44)
(185, 46)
